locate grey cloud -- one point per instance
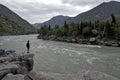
(84, 2)
(39, 12)
(36, 11)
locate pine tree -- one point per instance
(113, 19)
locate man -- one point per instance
(28, 46)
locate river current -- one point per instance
(62, 57)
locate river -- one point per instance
(61, 57)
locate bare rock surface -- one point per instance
(82, 75)
(15, 63)
(13, 77)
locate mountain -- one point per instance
(57, 20)
(11, 23)
(101, 12)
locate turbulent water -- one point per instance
(61, 57)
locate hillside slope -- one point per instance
(12, 23)
(57, 20)
(100, 12)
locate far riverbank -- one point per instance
(88, 41)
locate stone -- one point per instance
(73, 40)
(92, 39)
(84, 41)
(10, 52)
(16, 64)
(7, 68)
(27, 78)
(40, 76)
(107, 43)
(13, 77)
(115, 45)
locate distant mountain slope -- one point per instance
(101, 12)
(14, 18)
(57, 20)
(9, 27)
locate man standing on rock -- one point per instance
(28, 46)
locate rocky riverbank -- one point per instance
(15, 66)
(89, 41)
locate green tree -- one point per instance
(57, 31)
(86, 32)
(44, 30)
(66, 28)
(113, 18)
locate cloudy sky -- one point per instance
(36, 11)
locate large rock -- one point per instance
(83, 75)
(13, 77)
(7, 68)
(15, 63)
(92, 40)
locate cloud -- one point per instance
(42, 10)
(85, 2)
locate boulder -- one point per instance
(92, 40)
(13, 77)
(115, 45)
(107, 43)
(7, 68)
(60, 39)
(82, 75)
(119, 43)
(84, 41)
(15, 63)
(9, 52)
(73, 40)
(40, 76)
(27, 78)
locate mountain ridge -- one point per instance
(56, 20)
(100, 12)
